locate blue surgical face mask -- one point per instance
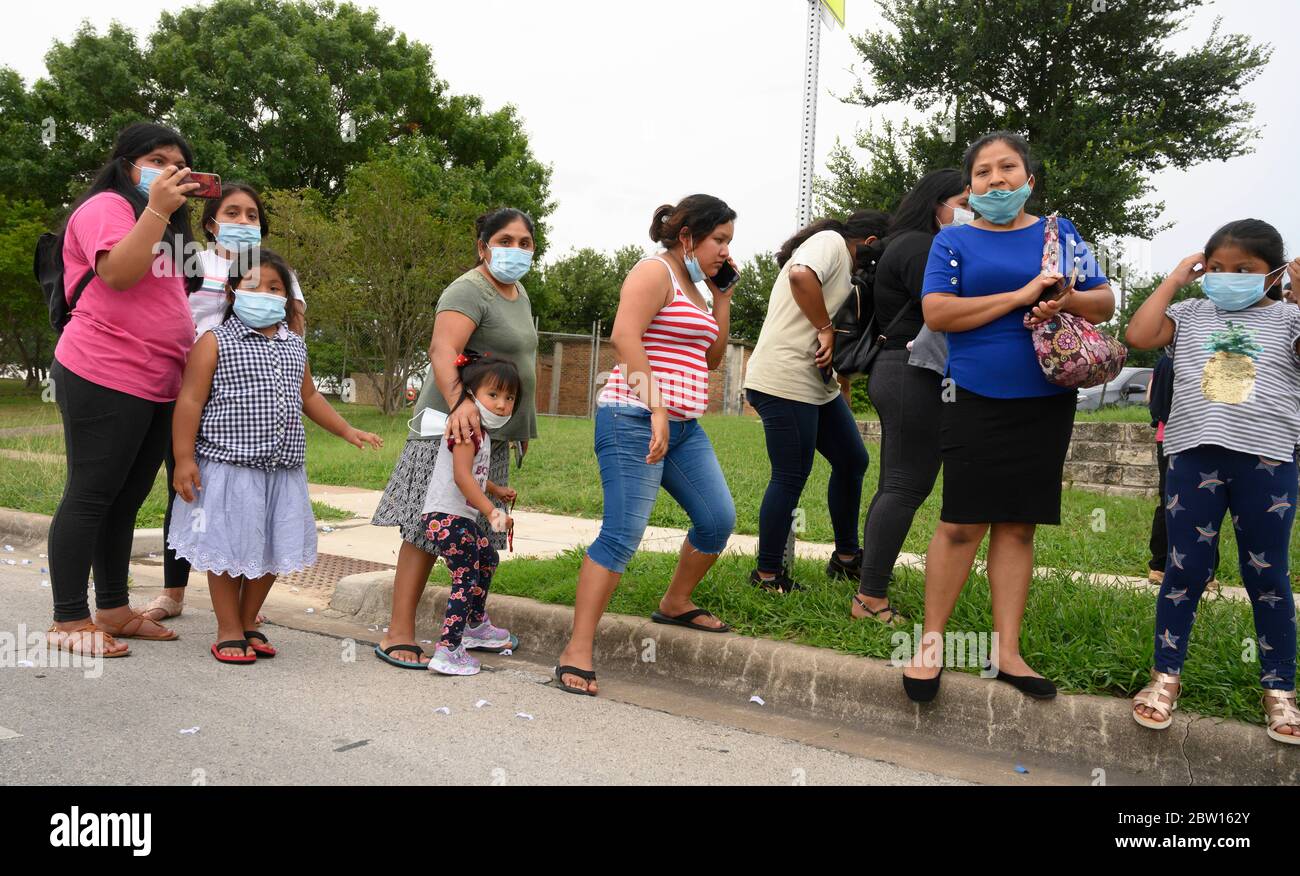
(259, 309)
(509, 264)
(693, 266)
(1232, 291)
(234, 236)
(147, 177)
(1001, 206)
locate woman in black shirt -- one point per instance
(906, 397)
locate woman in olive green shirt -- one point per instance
(485, 310)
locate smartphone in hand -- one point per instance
(726, 277)
(210, 185)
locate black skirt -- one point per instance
(1003, 457)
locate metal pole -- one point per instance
(812, 62)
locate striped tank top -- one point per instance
(676, 343)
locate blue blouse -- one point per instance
(997, 360)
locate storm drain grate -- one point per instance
(329, 570)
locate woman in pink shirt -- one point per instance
(117, 373)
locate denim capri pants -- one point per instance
(689, 472)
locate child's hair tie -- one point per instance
(462, 360)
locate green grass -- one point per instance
(560, 475)
(1088, 639)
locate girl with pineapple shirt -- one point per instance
(1230, 444)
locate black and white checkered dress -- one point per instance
(254, 413)
(253, 515)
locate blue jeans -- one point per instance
(794, 432)
(689, 472)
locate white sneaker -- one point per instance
(456, 662)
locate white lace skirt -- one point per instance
(246, 522)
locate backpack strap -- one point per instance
(81, 287)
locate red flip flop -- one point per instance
(262, 650)
(237, 643)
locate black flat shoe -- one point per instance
(850, 571)
(780, 584)
(922, 690)
(1029, 685)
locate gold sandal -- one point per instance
(1281, 712)
(100, 641)
(1156, 696)
(168, 606)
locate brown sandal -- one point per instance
(131, 630)
(894, 616)
(102, 639)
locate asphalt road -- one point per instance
(326, 711)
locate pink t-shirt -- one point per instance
(135, 341)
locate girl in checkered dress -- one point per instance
(242, 512)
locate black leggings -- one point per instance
(794, 432)
(909, 403)
(176, 570)
(114, 443)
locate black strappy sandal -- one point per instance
(585, 674)
(875, 615)
(685, 620)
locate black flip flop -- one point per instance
(234, 661)
(264, 650)
(684, 620)
(386, 655)
(584, 674)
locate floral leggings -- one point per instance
(472, 561)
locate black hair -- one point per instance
(1258, 238)
(699, 213)
(211, 207)
(261, 258)
(487, 367)
(1011, 138)
(134, 142)
(916, 212)
(493, 221)
(859, 226)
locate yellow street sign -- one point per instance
(836, 9)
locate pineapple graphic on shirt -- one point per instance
(1229, 376)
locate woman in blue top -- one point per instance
(1004, 430)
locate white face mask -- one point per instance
(431, 423)
(960, 216)
(490, 421)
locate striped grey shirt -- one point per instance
(1236, 379)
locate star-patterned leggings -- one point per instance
(472, 561)
(1203, 483)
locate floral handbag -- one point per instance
(1072, 352)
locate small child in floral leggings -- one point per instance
(458, 492)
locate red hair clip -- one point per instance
(462, 360)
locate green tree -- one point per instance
(582, 287)
(753, 290)
(26, 339)
(1103, 100)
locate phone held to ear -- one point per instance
(210, 185)
(726, 277)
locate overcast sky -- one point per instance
(638, 103)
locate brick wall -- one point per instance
(1113, 458)
(568, 395)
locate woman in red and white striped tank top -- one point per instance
(647, 424)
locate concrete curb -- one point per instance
(1092, 732)
(23, 526)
